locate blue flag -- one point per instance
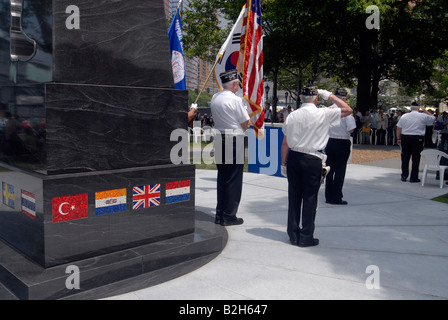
(177, 53)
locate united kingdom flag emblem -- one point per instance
(146, 196)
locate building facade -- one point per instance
(196, 69)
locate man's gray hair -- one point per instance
(307, 99)
(229, 85)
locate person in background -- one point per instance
(366, 122)
(356, 134)
(397, 118)
(381, 127)
(411, 130)
(390, 129)
(373, 125)
(267, 113)
(428, 133)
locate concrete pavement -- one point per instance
(388, 224)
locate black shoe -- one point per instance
(403, 179)
(233, 222)
(340, 202)
(218, 219)
(414, 181)
(294, 242)
(311, 243)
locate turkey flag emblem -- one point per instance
(70, 208)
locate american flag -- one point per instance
(146, 196)
(251, 56)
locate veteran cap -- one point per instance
(341, 92)
(228, 76)
(309, 90)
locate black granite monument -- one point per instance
(88, 105)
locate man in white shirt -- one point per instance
(411, 130)
(231, 120)
(381, 120)
(306, 135)
(338, 151)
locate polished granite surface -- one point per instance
(100, 97)
(88, 114)
(114, 273)
(118, 43)
(76, 216)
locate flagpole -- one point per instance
(206, 81)
(180, 3)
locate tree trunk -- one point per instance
(299, 86)
(364, 89)
(375, 87)
(274, 95)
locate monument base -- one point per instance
(114, 273)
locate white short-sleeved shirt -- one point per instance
(228, 111)
(342, 131)
(414, 123)
(308, 127)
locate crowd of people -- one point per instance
(376, 127)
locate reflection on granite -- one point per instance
(114, 273)
(101, 128)
(23, 48)
(23, 131)
(119, 43)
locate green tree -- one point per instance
(309, 39)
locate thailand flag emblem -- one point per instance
(177, 191)
(146, 196)
(29, 204)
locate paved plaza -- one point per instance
(391, 226)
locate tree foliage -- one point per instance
(307, 41)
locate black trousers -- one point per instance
(381, 134)
(373, 136)
(411, 146)
(304, 180)
(230, 178)
(338, 152)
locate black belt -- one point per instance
(412, 136)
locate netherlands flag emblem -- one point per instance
(177, 191)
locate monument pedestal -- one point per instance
(85, 166)
(114, 273)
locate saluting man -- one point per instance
(231, 120)
(306, 135)
(338, 151)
